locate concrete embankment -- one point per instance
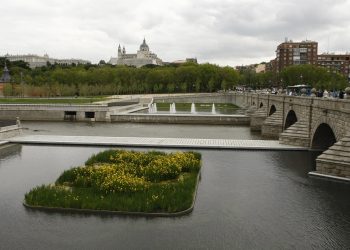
(183, 119)
(53, 112)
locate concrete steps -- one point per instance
(272, 126)
(250, 110)
(260, 113)
(335, 160)
(275, 119)
(297, 134)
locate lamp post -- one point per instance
(22, 89)
(301, 79)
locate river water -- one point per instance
(246, 200)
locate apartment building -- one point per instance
(294, 53)
(337, 63)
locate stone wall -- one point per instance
(53, 112)
(182, 119)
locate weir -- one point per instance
(194, 143)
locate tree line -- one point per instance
(105, 79)
(314, 76)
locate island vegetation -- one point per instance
(124, 181)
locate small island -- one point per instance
(125, 182)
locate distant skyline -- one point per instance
(224, 32)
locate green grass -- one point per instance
(224, 108)
(79, 100)
(162, 195)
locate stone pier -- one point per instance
(273, 125)
(257, 119)
(336, 160)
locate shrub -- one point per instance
(102, 157)
(162, 168)
(68, 176)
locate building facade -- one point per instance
(143, 57)
(336, 63)
(271, 66)
(296, 53)
(39, 61)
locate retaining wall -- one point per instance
(51, 112)
(183, 119)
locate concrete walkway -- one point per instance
(153, 142)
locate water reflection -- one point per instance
(9, 151)
(140, 130)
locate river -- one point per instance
(246, 199)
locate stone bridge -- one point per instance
(317, 123)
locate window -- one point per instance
(70, 115)
(89, 114)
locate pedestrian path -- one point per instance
(153, 142)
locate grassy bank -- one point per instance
(124, 181)
(51, 100)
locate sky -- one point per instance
(223, 32)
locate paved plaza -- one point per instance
(154, 142)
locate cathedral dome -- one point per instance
(144, 46)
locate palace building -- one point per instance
(143, 57)
(39, 61)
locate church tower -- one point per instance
(119, 51)
(144, 46)
(5, 75)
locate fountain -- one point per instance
(152, 108)
(172, 108)
(193, 108)
(213, 111)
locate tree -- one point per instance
(317, 77)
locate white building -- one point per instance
(260, 68)
(143, 57)
(39, 61)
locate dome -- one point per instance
(144, 46)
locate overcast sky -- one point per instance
(225, 32)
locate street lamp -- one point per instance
(21, 83)
(301, 79)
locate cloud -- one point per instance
(217, 31)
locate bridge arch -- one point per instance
(261, 105)
(324, 137)
(290, 119)
(272, 109)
